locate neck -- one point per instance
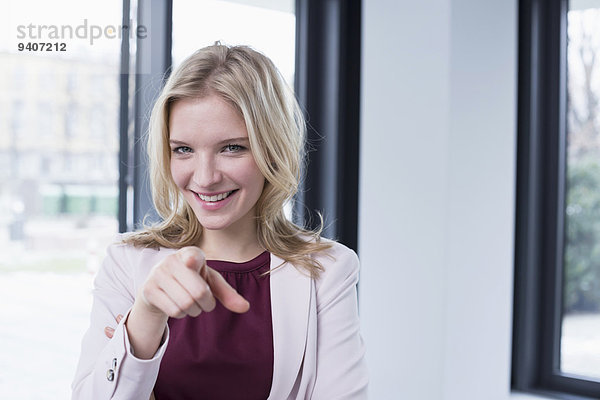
(230, 246)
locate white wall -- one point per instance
(437, 197)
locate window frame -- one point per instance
(540, 204)
(151, 67)
(327, 85)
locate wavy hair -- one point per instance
(251, 83)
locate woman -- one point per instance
(229, 298)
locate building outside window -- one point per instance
(56, 214)
(580, 341)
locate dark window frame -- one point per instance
(327, 83)
(124, 123)
(152, 66)
(328, 49)
(539, 236)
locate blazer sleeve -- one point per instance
(341, 371)
(107, 368)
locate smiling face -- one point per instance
(212, 165)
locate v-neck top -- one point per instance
(221, 354)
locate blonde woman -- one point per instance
(225, 298)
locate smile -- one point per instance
(214, 198)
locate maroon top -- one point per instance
(221, 354)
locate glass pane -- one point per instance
(197, 24)
(580, 342)
(59, 95)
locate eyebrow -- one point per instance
(228, 140)
(238, 139)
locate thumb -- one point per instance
(192, 257)
(227, 295)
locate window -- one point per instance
(198, 24)
(556, 345)
(56, 217)
(580, 339)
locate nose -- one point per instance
(206, 171)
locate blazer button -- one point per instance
(110, 375)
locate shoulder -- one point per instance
(126, 260)
(340, 268)
(127, 252)
(336, 257)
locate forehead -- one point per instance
(205, 119)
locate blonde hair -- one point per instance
(251, 83)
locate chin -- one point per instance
(215, 223)
(213, 227)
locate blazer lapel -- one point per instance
(290, 304)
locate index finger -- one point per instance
(223, 291)
(192, 257)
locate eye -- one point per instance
(181, 150)
(233, 148)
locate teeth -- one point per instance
(218, 197)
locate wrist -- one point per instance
(151, 316)
(145, 329)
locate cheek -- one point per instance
(254, 178)
(248, 176)
(178, 174)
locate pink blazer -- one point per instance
(318, 350)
